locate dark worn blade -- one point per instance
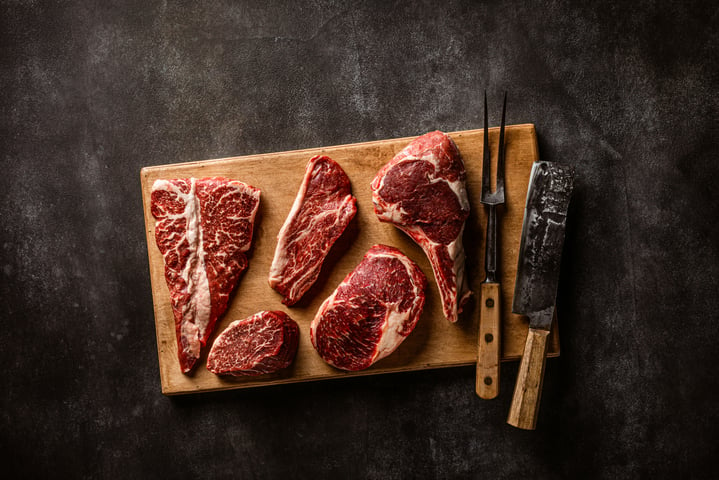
(540, 251)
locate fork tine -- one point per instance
(501, 154)
(486, 174)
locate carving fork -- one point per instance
(488, 356)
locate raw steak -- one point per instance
(422, 192)
(263, 343)
(203, 229)
(323, 208)
(371, 312)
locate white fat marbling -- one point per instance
(196, 314)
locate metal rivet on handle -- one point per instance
(488, 380)
(489, 302)
(488, 337)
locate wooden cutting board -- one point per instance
(434, 343)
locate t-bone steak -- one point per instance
(422, 191)
(323, 208)
(263, 343)
(203, 228)
(371, 312)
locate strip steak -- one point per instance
(323, 208)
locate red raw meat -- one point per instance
(371, 312)
(323, 208)
(422, 191)
(263, 343)
(203, 229)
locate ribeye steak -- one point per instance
(203, 229)
(262, 343)
(371, 312)
(422, 191)
(323, 208)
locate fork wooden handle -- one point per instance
(487, 382)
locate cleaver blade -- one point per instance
(535, 290)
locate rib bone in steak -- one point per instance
(263, 343)
(322, 210)
(203, 229)
(371, 312)
(422, 191)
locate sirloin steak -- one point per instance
(203, 228)
(371, 312)
(323, 208)
(262, 343)
(422, 191)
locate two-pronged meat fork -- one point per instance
(488, 357)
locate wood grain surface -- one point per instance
(528, 389)
(490, 336)
(434, 343)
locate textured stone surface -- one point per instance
(92, 92)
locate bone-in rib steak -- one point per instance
(203, 228)
(422, 191)
(371, 312)
(322, 210)
(262, 343)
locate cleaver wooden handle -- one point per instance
(528, 390)
(489, 341)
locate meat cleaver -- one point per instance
(535, 288)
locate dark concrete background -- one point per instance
(624, 91)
